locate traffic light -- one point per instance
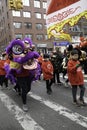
(12, 4)
(19, 4)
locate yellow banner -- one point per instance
(71, 14)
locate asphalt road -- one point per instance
(46, 112)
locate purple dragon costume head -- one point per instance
(20, 59)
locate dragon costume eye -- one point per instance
(17, 49)
(26, 43)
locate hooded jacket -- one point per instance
(75, 74)
(47, 69)
(2, 69)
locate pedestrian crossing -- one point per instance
(28, 123)
(77, 118)
(24, 119)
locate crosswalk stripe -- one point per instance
(23, 118)
(76, 117)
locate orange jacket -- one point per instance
(40, 59)
(47, 70)
(75, 75)
(2, 70)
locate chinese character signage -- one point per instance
(62, 12)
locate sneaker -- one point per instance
(76, 103)
(19, 93)
(59, 82)
(81, 102)
(49, 92)
(66, 85)
(25, 108)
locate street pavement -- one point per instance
(46, 112)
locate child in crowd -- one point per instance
(3, 79)
(40, 60)
(76, 78)
(47, 70)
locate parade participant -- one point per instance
(3, 79)
(47, 70)
(30, 49)
(40, 60)
(14, 51)
(83, 48)
(22, 68)
(76, 78)
(56, 60)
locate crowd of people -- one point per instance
(72, 66)
(72, 62)
(27, 65)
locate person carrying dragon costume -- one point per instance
(22, 67)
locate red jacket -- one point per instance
(47, 69)
(40, 59)
(2, 70)
(75, 75)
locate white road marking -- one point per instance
(23, 118)
(76, 117)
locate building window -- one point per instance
(18, 36)
(45, 26)
(44, 16)
(17, 24)
(46, 37)
(38, 15)
(28, 25)
(39, 26)
(44, 5)
(26, 2)
(16, 13)
(27, 14)
(39, 37)
(37, 3)
(29, 36)
(75, 28)
(85, 28)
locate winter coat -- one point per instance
(47, 70)
(75, 74)
(2, 63)
(56, 61)
(40, 60)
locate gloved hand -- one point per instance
(78, 65)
